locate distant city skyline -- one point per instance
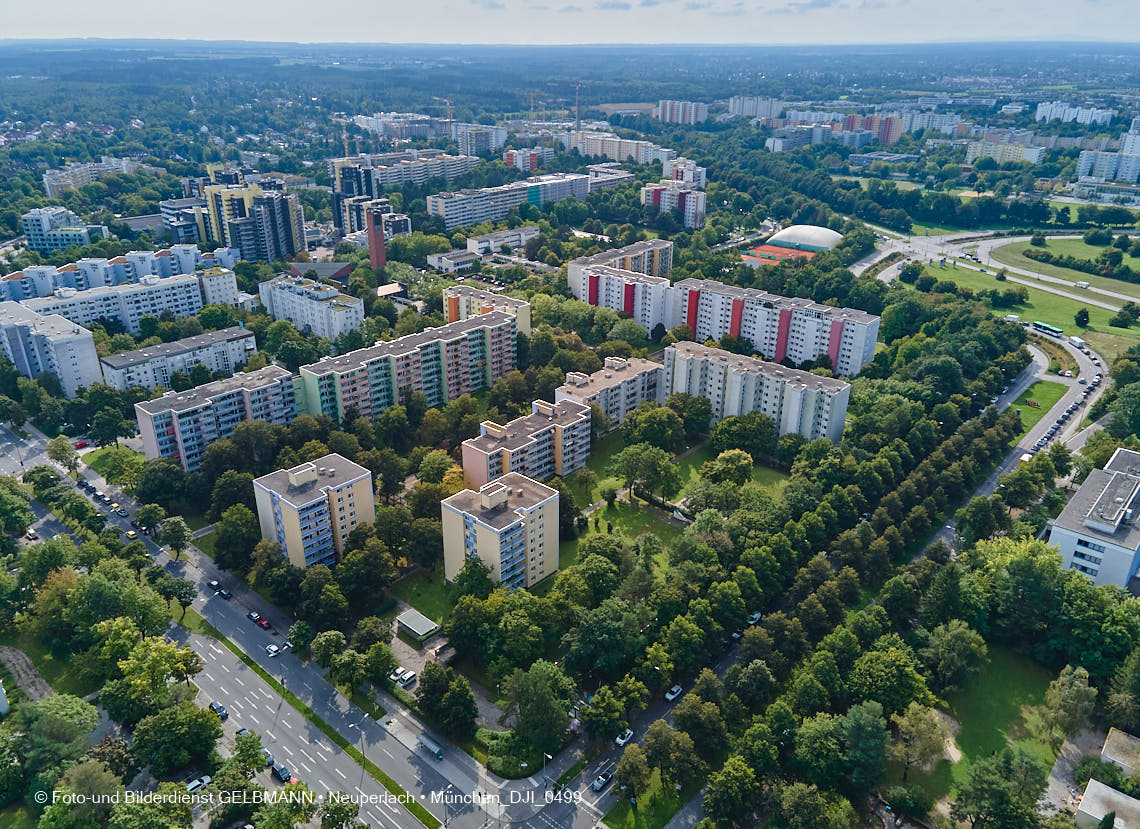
(768, 22)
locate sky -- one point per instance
(764, 22)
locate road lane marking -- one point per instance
(287, 750)
(390, 754)
(225, 667)
(286, 724)
(306, 768)
(324, 757)
(341, 773)
(269, 734)
(239, 682)
(255, 719)
(310, 759)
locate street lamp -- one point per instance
(545, 757)
(356, 725)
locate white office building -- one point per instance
(797, 401)
(617, 389)
(223, 350)
(1096, 533)
(312, 307)
(611, 146)
(35, 343)
(128, 303)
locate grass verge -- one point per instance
(205, 543)
(628, 522)
(1045, 392)
(653, 810)
(200, 625)
(771, 480)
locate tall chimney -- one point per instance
(377, 251)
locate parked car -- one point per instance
(396, 674)
(81, 444)
(281, 772)
(624, 737)
(31, 534)
(115, 506)
(602, 780)
(241, 731)
(214, 585)
(267, 756)
(253, 616)
(408, 678)
(122, 513)
(263, 624)
(673, 693)
(131, 535)
(220, 710)
(225, 594)
(198, 783)
(1082, 380)
(272, 649)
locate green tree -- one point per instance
(1081, 318)
(921, 737)
(434, 465)
(236, 535)
(174, 737)
(954, 653)
(1001, 791)
(60, 450)
(108, 425)
(176, 535)
(865, 737)
(539, 698)
(1069, 702)
(633, 773)
(326, 645)
(732, 792)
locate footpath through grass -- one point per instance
(1044, 392)
(61, 674)
(195, 622)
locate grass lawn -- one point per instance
(601, 453)
(60, 674)
(628, 521)
(427, 592)
(195, 520)
(992, 713)
(1013, 254)
(1045, 392)
(97, 460)
(771, 480)
(205, 543)
(17, 817)
(1042, 306)
(655, 808)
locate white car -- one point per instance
(673, 693)
(198, 784)
(396, 674)
(272, 649)
(624, 737)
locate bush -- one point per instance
(910, 800)
(1038, 240)
(1107, 773)
(1098, 236)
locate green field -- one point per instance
(61, 674)
(992, 713)
(1045, 392)
(426, 591)
(601, 453)
(771, 480)
(628, 521)
(1012, 254)
(1048, 308)
(205, 543)
(97, 460)
(655, 808)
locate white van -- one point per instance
(1082, 284)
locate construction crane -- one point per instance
(446, 101)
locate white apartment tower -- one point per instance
(312, 307)
(36, 343)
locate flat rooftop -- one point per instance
(180, 401)
(607, 377)
(522, 493)
(316, 291)
(1080, 508)
(391, 348)
(149, 283)
(1121, 747)
(171, 349)
(1124, 460)
(755, 295)
(479, 293)
(1100, 799)
(629, 250)
(50, 325)
(505, 234)
(627, 276)
(521, 430)
(751, 365)
(298, 486)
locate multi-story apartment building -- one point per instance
(797, 401)
(35, 343)
(653, 257)
(476, 139)
(685, 171)
(54, 228)
(749, 106)
(462, 302)
(606, 175)
(312, 307)
(1003, 153)
(512, 238)
(530, 159)
(443, 363)
(127, 303)
(404, 124)
(608, 145)
(682, 112)
(187, 219)
(182, 424)
(676, 195)
(1066, 113)
(74, 176)
(492, 204)
(310, 509)
(510, 524)
(617, 389)
(44, 280)
(1109, 166)
(1096, 533)
(264, 225)
(223, 350)
(779, 328)
(554, 439)
(641, 297)
(459, 260)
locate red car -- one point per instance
(263, 624)
(81, 444)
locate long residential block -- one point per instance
(470, 207)
(38, 343)
(652, 257)
(554, 439)
(443, 363)
(510, 524)
(464, 301)
(312, 307)
(182, 424)
(618, 388)
(797, 401)
(152, 366)
(310, 509)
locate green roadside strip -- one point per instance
(200, 625)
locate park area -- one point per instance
(993, 712)
(1044, 393)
